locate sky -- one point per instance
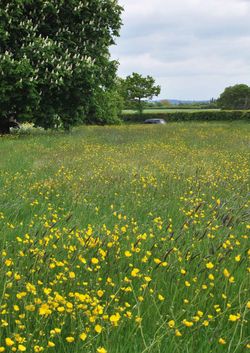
(193, 48)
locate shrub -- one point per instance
(194, 116)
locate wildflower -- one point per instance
(94, 261)
(70, 339)
(114, 319)
(101, 350)
(160, 297)
(237, 258)
(127, 253)
(72, 275)
(45, 310)
(21, 348)
(83, 336)
(135, 272)
(234, 318)
(171, 323)
(2, 349)
(8, 262)
(209, 265)
(187, 323)
(51, 344)
(211, 277)
(222, 341)
(9, 342)
(226, 273)
(178, 333)
(98, 328)
(100, 293)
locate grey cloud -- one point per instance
(189, 39)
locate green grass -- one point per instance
(134, 231)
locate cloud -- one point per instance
(194, 48)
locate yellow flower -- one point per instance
(222, 341)
(83, 336)
(94, 261)
(30, 307)
(248, 304)
(135, 272)
(237, 258)
(187, 284)
(31, 288)
(8, 262)
(51, 344)
(234, 318)
(226, 273)
(70, 339)
(211, 277)
(171, 323)
(209, 265)
(178, 333)
(187, 323)
(160, 297)
(148, 279)
(100, 293)
(9, 342)
(21, 348)
(72, 275)
(114, 319)
(2, 349)
(101, 350)
(98, 328)
(44, 310)
(127, 253)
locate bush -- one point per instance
(194, 116)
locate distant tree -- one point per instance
(54, 57)
(235, 97)
(137, 88)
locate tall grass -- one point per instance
(125, 240)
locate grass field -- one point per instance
(162, 111)
(130, 239)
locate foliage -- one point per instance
(126, 239)
(190, 116)
(105, 107)
(235, 97)
(57, 56)
(136, 88)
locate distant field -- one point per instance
(151, 111)
(128, 239)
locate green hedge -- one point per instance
(195, 116)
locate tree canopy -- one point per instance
(235, 97)
(54, 57)
(136, 88)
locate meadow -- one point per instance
(128, 239)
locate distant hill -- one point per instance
(179, 101)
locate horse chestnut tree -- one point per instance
(54, 57)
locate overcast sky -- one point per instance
(193, 48)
